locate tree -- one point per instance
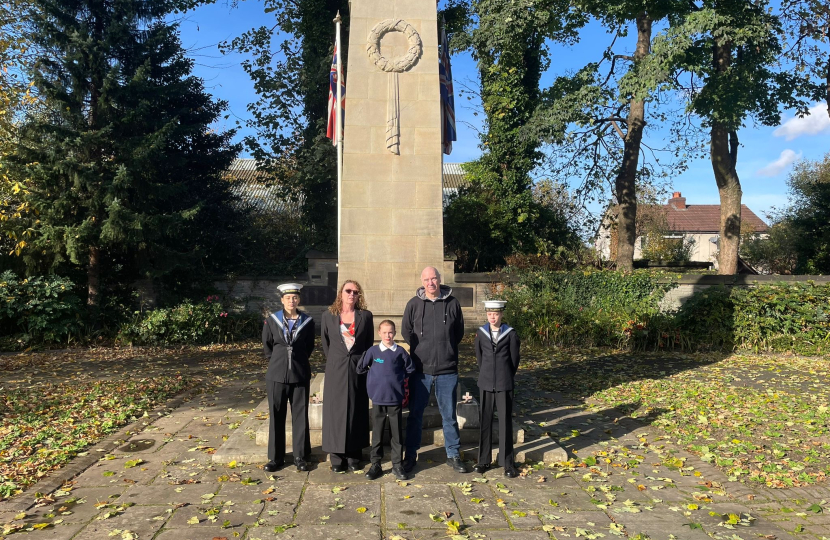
(595, 119)
(16, 98)
(799, 238)
(123, 164)
(774, 253)
(289, 117)
(807, 23)
(730, 49)
(809, 214)
(508, 41)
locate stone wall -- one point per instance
(691, 284)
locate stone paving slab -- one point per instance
(477, 507)
(201, 533)
(166, 494)
(318, 532)
(55, 532)
(340, 504)
(410, 506)
(199, 515)
(142, 521)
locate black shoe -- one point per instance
(408, 463)
(481, 469)
(302, 466)
(339, 468)
(456, 464)
(354, 466)
(272, 466)
(399, 473)
(374, 472)
(511, 472)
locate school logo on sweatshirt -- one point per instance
(379, 360)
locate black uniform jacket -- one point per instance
(497, 362)
(345, 401)
(288, 355)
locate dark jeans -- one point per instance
(279, 395)
(446, 393)
(380, 414)
(503, 401)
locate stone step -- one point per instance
(466, 411)
(541, 448)
(429, 435)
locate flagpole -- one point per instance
(339, 131)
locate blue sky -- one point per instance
(764, 160)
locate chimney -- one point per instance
(678, 202)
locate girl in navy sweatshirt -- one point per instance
(388, 365)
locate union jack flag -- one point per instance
(448, 134)
(331, 130)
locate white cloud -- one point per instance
(775, 168)
(816, 123)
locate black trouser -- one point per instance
(504, 403)
(279, 395)
(379, 415)
(353, 458)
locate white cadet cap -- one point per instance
(290, 288)
(494, 305)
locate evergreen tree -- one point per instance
(124, 167)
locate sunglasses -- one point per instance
(351, 291)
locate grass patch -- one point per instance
(760, 419)
(43, 426)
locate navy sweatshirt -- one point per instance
(387, 371)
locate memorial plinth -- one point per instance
(391, 203)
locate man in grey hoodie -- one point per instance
(433, 326)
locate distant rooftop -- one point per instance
(703, 218)
(254, 191)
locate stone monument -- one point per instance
(391, 206)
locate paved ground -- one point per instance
(161, 484)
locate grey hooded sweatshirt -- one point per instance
(433, 329)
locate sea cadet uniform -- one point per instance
(497, 353)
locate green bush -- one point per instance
(594, 308)
(190, 323)
(784, 317)
(610, 309)
(43, 309)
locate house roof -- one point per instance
(703, 218)
(453, 176)
(253, 190)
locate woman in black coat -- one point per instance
(347, 332)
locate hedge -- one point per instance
(610, 309)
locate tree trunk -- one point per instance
(93, 278)
(625, 185)
(723, 150)
(827, 87)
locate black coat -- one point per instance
(345, 401)
(275, 343)
(497, 364)
(433, 329)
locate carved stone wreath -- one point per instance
(396, 65)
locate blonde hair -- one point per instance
(337, 306)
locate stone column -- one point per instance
(392, 223)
